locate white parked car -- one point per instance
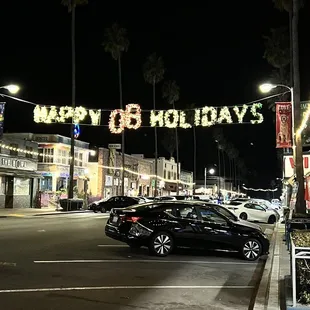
(252, 211)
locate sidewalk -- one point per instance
(29, 212)
(275, 291)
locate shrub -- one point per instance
(301, 238)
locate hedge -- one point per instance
(301, 238)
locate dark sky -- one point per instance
(214, 51)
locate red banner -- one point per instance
(284, 124)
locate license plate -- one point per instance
(115, 219)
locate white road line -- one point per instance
(113, 245)
(136, 261)
(90, 288)
(41, 230)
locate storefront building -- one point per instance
(55, 167)
(105, 174)
(18, 171)
(187, 178)
(167, 173)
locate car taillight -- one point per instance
(133, 219)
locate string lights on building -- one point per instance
(20, 150)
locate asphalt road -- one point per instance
(66, 262)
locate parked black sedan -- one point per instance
(163, 226)
(106, 205)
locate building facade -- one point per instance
(167, 173)
(105, 174)
(54, 164)
(187, 177)
(18, 171)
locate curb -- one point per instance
(261, 301)
(62, 212)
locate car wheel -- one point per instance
(243, 216)
(272, 219)
(161, 244)
(95, 208)
(251, 250)
(103, 210)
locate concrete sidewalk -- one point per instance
(29, 212)
(271, 294)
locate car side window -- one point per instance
(185, 212)
(259, 208)
(211, 216)
(248, 206)
(112, 199)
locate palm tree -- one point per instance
(153, 72)
(277, 54)
(191, 107)
(169, 142)
(71, 4)
(300, 200)
(229, 152)
(171, 92)
(116, 43)
(293, 7)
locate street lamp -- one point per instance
(266, 88)
(211, 171)
(13, 89)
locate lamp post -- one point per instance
(210, 171)
(266, 88)
(296, 142)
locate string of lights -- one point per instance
(33, 153)
(260, 189)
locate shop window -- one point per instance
(40, 157)
(2, 185)
(14, 152)
(48, 155)
(21, 186)
(29, 149)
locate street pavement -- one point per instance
(67, 262)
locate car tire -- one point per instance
(251, 249)
(161, 244)
(243, 216)
(272, 219)
(103, 210)
(95, 208)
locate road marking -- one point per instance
(41, 230)
(136, 261)
(90, 288)
(8, 264)
(113, 245)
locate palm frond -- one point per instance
(73, 3)
(171, 91)
(153, 69)
(116, 41)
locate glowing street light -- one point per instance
(13, 89)
(211, 171)
(267, 87)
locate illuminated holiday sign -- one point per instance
(131, 117)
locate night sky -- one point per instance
(214, 51)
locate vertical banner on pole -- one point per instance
(284, 124)
(2, 106)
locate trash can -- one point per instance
(73, 204)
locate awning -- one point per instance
(20, 173)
